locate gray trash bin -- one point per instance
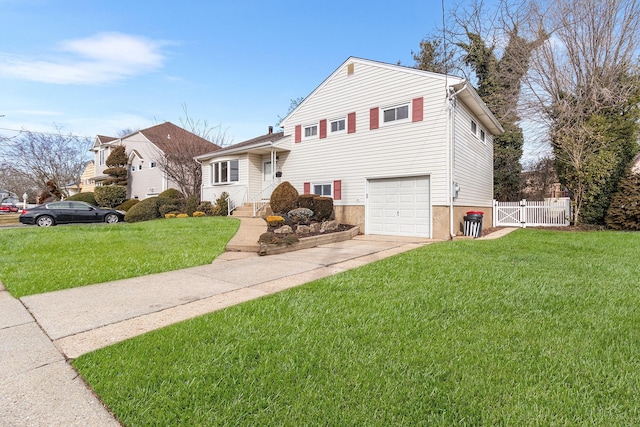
(473, 224)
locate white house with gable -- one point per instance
(402, 152)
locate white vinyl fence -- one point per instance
(550, 213)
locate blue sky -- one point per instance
(98, 67)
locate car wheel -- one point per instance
(111, 218)
(45, 221)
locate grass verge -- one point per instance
(35, 260)
(536, 328)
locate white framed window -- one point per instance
(474, 127)
(139, 167)
(225, 172)
(322, 189)
(152, 165)
(396, 114)
(338, 125)
(310, 131)
(133, 168)
(101, 157)
(483, 136)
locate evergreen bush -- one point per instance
(87, 197)
(284, 198)
(110, 195)
(192, 204)
(146, 210)
(323, 208)
(127, 204)
(624, 210)
(206, 207)
(222, 205)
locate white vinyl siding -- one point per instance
(409, 148)
(473, 163)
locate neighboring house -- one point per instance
(87, 183)
(147, 149)
(401, 151)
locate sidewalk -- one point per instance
(38, 333)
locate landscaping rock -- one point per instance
(328, 226)
(300, 215)
(285, 229)
(303, 229)
(315, 227)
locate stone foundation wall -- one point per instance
(355, 215)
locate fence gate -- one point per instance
(550, 213)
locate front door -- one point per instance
(267, 175)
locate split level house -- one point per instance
(146, 149)
(402, 152)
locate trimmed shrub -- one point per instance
(171, 196)
(206, 207)
(198, 214)
(222, 205)
(306, 201)
(182, 215)
(168, 208)
(192, 204)
(110, 195)
(323, 208)
(84, 197)
(146, 210)
(127, 204)
(284, 198)
(169, 215)
(275, 220)
(624, 210)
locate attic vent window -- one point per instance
(350, 68)
(168, 136)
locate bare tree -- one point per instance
(37, 158)
(176, 158)
(584, 84)
(212, 133)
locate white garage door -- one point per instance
(399, 207)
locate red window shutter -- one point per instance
(351, 123)
(323, 128)
(298, 133)
(337, 190)
(417, 110)
(374, 118)
(307, 188)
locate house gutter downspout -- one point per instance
(452, 151)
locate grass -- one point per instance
(35, 260)
(536, 328)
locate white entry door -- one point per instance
(267, 175)
(399, 207)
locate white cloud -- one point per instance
(102, 58)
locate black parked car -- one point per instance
(66, 212)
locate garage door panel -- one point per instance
(399, 206)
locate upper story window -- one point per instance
(139, 167)
(225, 171)
(395, 114)
(323, 190)
(311, 131)
(101, 157)
(133, 168)
(474, 127)
(483, 136)
(152, 165)
(338, 125)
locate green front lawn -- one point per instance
(538, 328)
(35, 260)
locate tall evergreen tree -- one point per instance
(117, 167)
